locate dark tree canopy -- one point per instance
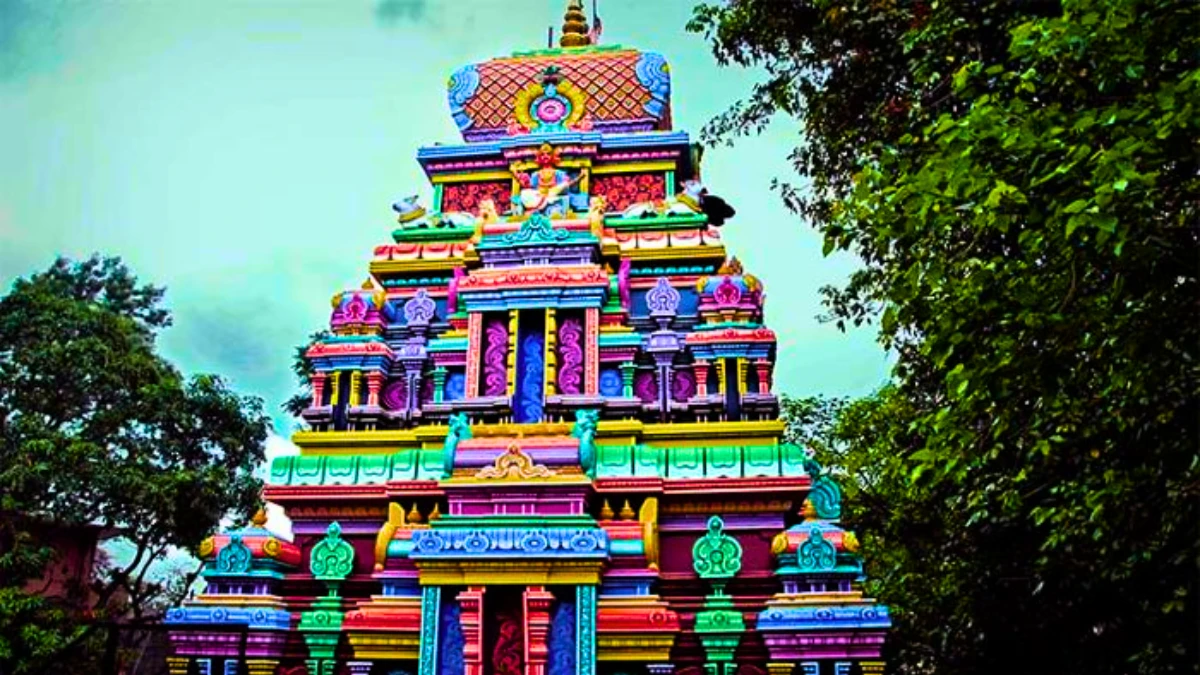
(1020, 182)
(97, 429)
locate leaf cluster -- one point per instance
(97, 429)
(1020, 181)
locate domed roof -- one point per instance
(577, 87)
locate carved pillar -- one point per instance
(585, 630)
(261, 666)
(627, 370)
(374, 384)
(721, 375)
(700, 368)
(764, 375)
(177, 665)
(513, 325)
(474, 352)
(741, 375)
(781, 667)
(335, 381)
(355, 388)
(439, 384)
(318, 389)
(550, 358)
(471, 602)
(537, 629)
(431, 601)
(591, 351)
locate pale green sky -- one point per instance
(244, 154)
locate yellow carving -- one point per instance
(626, 511)
(177, 665)
(606, 512)
(551, 356)
(648, 516)
(206, 548)
(272, 547)
(494, 572)
(514, 464)
(386, 532)
(779, 543)
(850, 542)
(512, 351)
(638, 647)
(414, 516)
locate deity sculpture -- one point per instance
(544, 190)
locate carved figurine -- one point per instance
(409, 213)
(596, 210)
(544, 190)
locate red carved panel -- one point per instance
(621, 191)
(466, 196)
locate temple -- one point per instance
(542, 438)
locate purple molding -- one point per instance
(733, 522)
(259, 644)
(623, 282)
(495, 366)
(824, 645)
(570, 356)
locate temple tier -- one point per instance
(542, 435)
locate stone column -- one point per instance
(374, 384)
(474, 352)
(427, 654)
(335, 381)
(591, 351)
(627, 371)
(439, 384)
(471, 603)
(764, 375)
(700, 368)
(537, 629)
(585, 630)
(781, 667)
(550, 355)
(262, 666)
(318, 388)
(513, 327)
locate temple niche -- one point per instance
(543, 437)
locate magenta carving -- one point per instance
(495, 366)
(645, 386)
(570, 356)
(395, 395)
(727, 293)
(623, 282)
(452, 291)
(683, 385)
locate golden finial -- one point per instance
(414, 516)
(435, 513)
(575, 27)
(260, 518)
(626, 511)
(808, 511)
(606, 512)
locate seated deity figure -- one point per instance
(544, 190)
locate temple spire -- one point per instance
(575, 27)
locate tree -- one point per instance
(303, 370)
(97, 429)
(1020, 182)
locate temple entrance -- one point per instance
(504, 631)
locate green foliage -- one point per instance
(96, 429)
(303, 371)
(1020, 181)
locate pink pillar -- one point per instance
(318, 388)
(474, 352)
(700, 367)
(591, 355)
(537, 628)
(764, 376)
(470, 602)
(374, 383)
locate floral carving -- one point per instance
(466, 197)
(716, 555)
(234, 557)
(570, 356)
(683, 385)
(332, 558)
(419, 309)
(621, 191)
(663, 298)
(514, 464)
(495, 368)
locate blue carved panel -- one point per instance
(531, 367)
(561, 642)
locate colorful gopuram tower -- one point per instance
(542, 437)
